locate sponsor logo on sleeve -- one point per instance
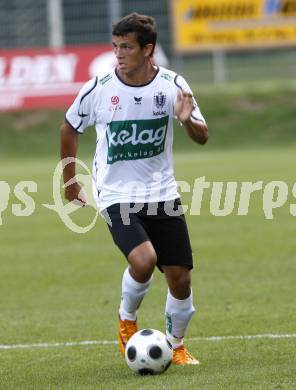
(166, 76)
(105, 79)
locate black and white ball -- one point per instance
(148, 352)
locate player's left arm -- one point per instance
(184, 106)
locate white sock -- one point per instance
(133, 293)
(178, 314)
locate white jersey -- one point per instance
(134, 124)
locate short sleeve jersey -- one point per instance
(133, 161)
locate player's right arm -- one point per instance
(79, 116)
(68, 149)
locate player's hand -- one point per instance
(74, 193)
(183, 106)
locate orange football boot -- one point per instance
(182, 357)
(126, 329)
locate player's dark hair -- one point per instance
(144, 26)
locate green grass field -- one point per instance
(58, 286)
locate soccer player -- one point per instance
(132, 108)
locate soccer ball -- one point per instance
(148, 352)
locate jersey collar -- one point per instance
(136, 86)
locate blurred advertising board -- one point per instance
(36, 78)
(206, 25)
(46, 78)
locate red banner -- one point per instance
(36, 78)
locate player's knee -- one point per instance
(142, 264)
(180, 284)
(146, 263)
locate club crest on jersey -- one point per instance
(159, 101)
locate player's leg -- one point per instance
(134, 242)
(170, 238)
(136, 279)
(142, 261)
(179, 311)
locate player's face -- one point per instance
(130, 56)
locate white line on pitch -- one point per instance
(106, 342)
(50, 345)
(246, 337)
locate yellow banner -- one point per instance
(203, 25)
